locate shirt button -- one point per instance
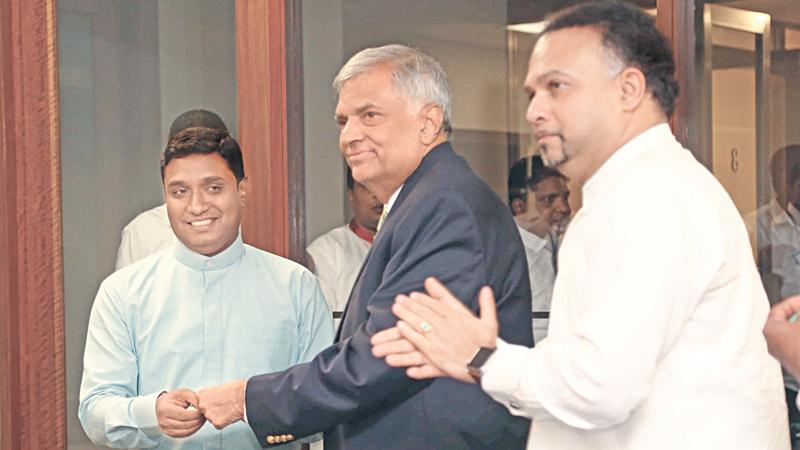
(211, 264)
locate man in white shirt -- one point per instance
(775, 234)
(539, 200)
(654, 339)
(150, 231)
(336, 256)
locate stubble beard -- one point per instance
(553, 157)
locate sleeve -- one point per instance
(345, 382)
(111, 411)
(639, 285)
(316, 324)
(125, 253)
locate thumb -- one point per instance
(488, 308)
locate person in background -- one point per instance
(336, 256)
(205, 310)
(539, 200)
(150, 231)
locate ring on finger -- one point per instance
(426, 327)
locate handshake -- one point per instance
(182, 412)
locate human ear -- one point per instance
(431, 118)
(633, 87)
(243, 190)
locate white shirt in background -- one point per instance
(146, 234)
(655, 335)
(542, 276)
(338, 255)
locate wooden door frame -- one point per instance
(32, 353)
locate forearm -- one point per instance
(121, 422)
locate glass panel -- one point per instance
(748, 71)
(127, 69)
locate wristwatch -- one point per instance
(475, 366)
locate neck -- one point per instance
(387, 187)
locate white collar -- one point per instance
(388, 206)
(531, 240)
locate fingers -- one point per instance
(387, 335)
(487, 305)
(406, 359)
(784, 310)
(415, 337)
(424, 372)
(398, 346)
(440, 292)
(414, 313)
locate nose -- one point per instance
(197, 203)
(349, 133)
(537, 111)
(562, 205)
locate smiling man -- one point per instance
(207, 310)
(655, 331)
(394, 121)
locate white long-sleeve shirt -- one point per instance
(655, 335)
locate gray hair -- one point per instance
(415, 74)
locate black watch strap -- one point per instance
(475, 365)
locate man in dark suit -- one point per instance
(440, 220)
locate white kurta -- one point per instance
(542, 276)
(655, 332)
(146, 234)
(338, 255)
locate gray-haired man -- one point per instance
(394, 120)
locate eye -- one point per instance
(179, 192)
(341, 122)
(555, 85)
(214, 188)
(371, 117)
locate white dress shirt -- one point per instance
(338, 255)
(146, 234)
(542, 276)
(655, 336)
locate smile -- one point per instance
(200, 223)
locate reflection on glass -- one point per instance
(126, 69)
(749, 69)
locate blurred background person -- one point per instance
(336, 256)
(539, 200)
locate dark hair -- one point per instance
(204, 141)
(526, 174)
(196, 118)
(785, 167)
(350, 180)
(632, 36)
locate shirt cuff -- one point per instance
(244, 404)
(502, 374)
(143, 411)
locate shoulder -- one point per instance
(154, 217)
(278, 265)
(332, 238)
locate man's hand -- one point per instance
(439, 334)
(783, 336)
(176, 414)
(224, 404)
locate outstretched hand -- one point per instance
(224, 404)
(436, 334)
(177, 414)
(783, 334)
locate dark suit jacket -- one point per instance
(446, 223)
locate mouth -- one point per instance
(200, 223)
